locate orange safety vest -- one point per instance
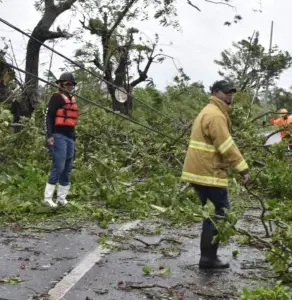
(282, 122)
(68, 114)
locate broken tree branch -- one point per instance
(159, 242)
(264, 210)
(51, 229)
(253, 237)
(143, 74)
(50, 35)
(193, 5)
(150, 286)
(223, 3)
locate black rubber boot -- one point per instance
(209, 258)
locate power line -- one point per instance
(83, 68)
(93, 103)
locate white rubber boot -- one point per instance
(48, 196)
(62, 193)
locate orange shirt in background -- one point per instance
(282, 122)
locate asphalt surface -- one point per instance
(43, 259)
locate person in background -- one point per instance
(283, 120)
(60, 120)
(211, 151)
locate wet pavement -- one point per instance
(151, 261)
(41, 258)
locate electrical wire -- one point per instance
(93, 103)
(83, 68)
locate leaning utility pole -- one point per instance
(267, 78)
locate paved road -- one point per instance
(70, 265)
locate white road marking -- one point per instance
(66, 284)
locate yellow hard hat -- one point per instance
(283, 111)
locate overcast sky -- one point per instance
(202, 39)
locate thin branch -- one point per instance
(139, 61)
(253, 237)
(168, 56)
(15, 61)
(262, 217)
(50, 229)
(187, 128)
(63, 6)
(193, 5)
(223, 3)
(150, 286)
(50, 35)
(92, 29)
(98, 64)
(159, 242)
(143, 74)
(121, 17)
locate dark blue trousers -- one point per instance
(218, 196)
(62, 155)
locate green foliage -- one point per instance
(119, 166)
(7, 76)
(279, 292)
(123, 171)
(281, 98)
(249, 63)
(10, 280)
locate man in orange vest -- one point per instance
(60, 120)
(283, 120)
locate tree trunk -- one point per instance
(42, 33)
(3, 92)
(31, 83)
(116, 105)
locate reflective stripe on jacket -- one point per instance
(212, 149)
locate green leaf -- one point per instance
(147, 270)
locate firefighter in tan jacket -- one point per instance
(211, 151)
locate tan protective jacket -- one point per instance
(212, 150)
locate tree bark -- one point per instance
(42, 33)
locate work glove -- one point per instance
(246, 179)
